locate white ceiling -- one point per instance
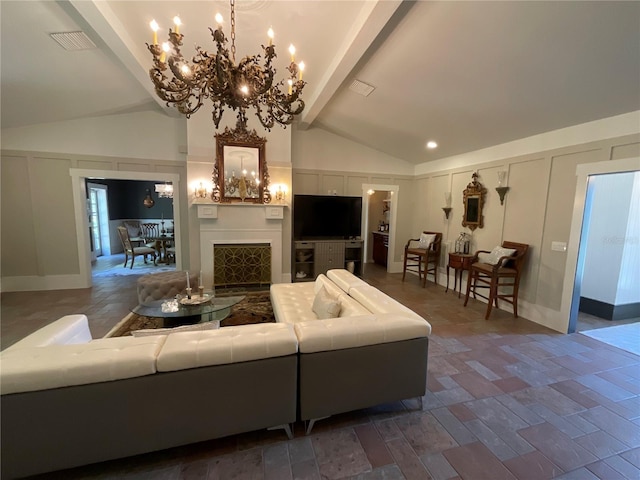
(465, 74)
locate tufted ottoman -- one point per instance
(157, 286)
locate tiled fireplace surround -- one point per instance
(240, 224)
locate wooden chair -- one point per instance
(135, 232)
(430, 257)
(130, 250)
(502, 279)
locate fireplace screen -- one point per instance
(241, 265)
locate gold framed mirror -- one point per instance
(473, 199)
(240, 172)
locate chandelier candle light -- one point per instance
(217, 76)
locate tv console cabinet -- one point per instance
(313, 257)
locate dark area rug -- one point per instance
(255, 308)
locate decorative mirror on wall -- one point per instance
(240, 172)
(473, 199)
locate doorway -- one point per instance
(576, 254)
(387, 216)
(81, 200)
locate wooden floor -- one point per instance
(507, 399)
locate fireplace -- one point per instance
(241, 265)
(242, 225)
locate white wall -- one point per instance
(318, 149)
(629, 281)
(606, 240)
(133, 135)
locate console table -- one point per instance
(459, 262)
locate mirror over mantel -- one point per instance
(473, 199)
(240, 171)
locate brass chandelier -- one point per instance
(217, 76)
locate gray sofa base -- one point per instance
(50, 430)
(339, 381)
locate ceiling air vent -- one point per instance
(361, 88)
(73, 40)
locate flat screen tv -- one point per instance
(317, 217)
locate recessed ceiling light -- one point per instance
(431, 144)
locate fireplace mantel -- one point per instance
(240, 224)
(210, 210)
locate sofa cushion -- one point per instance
(345, 279)
(358, 331)
(68, 330)
(55, 366)
(292, 302)
(323, 282)
(325, 305)
(379, 302)
(227, 345)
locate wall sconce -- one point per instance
(501, 188)
(447, 202)
(279, 191)
(370, 192)
(201, 191)
(148, 199)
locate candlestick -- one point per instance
(188, 286)
(200, 282)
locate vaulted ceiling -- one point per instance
(465, 74)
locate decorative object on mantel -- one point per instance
(148, 199)
(447, 203)
(215, 75)
(473, 199)
(242, 151)
(502, 189)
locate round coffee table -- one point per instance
(174, 314)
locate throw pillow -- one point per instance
(493, 257)
(426, 239)
(325, 306)
(184, 328)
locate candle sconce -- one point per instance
(447, 201)
(501, 188)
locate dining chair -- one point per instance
(131, 251)
(426, 252)
(135, 232)
(498, 271)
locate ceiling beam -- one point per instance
(372, 19)
(108, 27)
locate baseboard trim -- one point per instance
(608, 311)
(37, 283)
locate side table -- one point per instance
(459, 262)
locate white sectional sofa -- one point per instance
(373, 352)
(68, 400)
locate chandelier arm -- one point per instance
(215, 75)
